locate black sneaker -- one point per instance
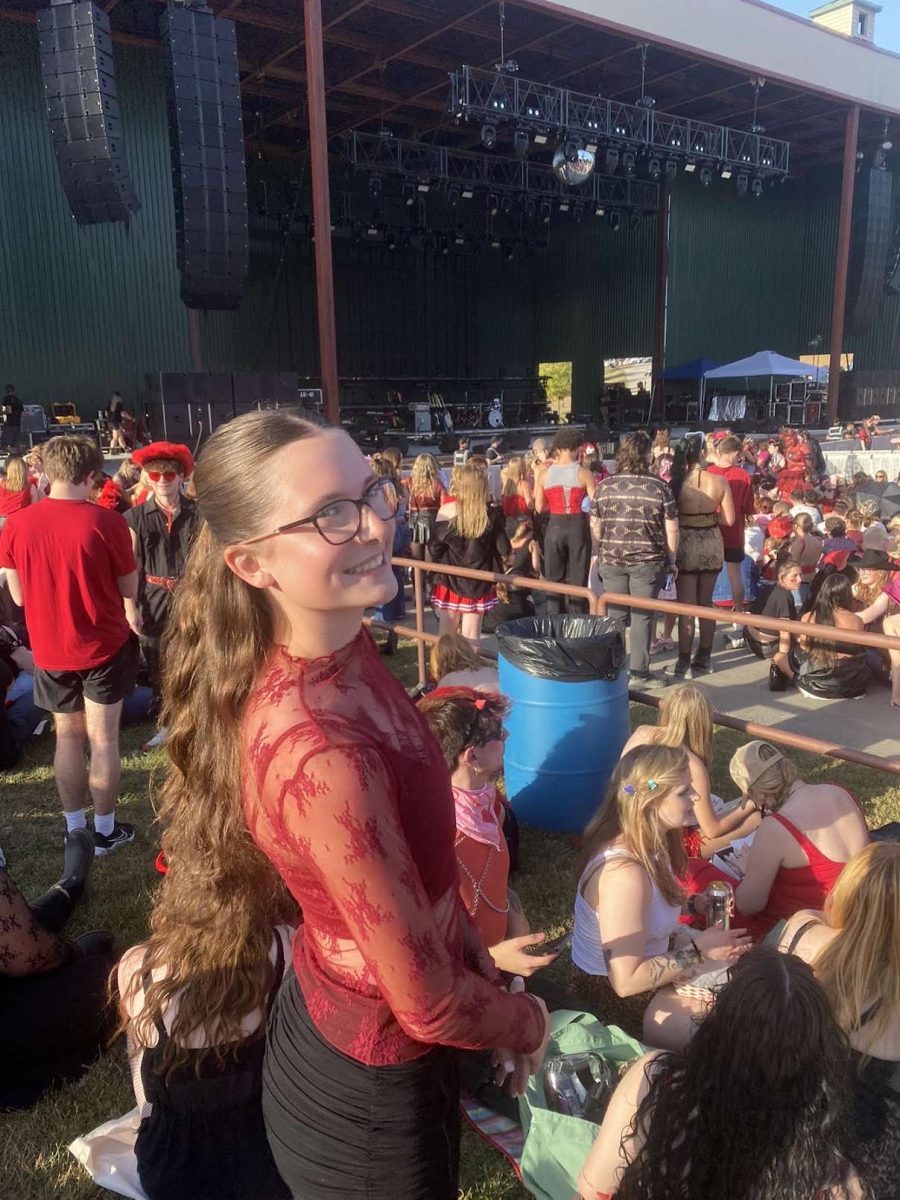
(120, 836)
(700, 665)
(647, 681)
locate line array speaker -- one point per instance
(208, 168)
(80, 88)
(870, 241)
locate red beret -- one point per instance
(173, 450)
(779, 527)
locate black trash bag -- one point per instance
(567, 649)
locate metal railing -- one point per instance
(599, 605)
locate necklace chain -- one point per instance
(477, 884)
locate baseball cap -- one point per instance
(752, 761)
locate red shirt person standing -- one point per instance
(728, 453)
(70, 563)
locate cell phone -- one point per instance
(668, 583)
(552, 945)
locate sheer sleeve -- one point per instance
(25, 947)
(337, 811)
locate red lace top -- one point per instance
(348, 794)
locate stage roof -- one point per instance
(387, 63)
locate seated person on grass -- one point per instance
(779, 603)
(53, 996)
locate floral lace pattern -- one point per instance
(25, 947)
(347, 793)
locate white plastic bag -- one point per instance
(107, 1154)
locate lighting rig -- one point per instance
(591, 129)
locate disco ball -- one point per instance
(573, 166)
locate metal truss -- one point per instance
(496, 97)
(423, 163)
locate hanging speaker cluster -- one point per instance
(80, 89)
(208, 168)
(870, 241)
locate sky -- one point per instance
(887, 27)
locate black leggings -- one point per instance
(567, 558)
(341, 1130)
(696, 587)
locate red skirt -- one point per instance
(447, 600)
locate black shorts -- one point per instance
(734, 554)
(110, 682)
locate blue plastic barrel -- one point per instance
(569, 716)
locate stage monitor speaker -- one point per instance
(870, 241)
(269, 389)
(80, 89)
(209, 172)
(186, 407)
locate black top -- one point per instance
(204, 1138)
(480, 554)
(14, 416)
(778, 602)
(161, 554)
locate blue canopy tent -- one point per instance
(765, 364)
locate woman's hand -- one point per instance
(510, 956)
(516, 1069)
(722, 945)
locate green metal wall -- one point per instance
(84, 310)
(751, 274)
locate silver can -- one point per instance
(719, 901)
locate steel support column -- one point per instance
(660, 303)
(842, 261)
(321, 192)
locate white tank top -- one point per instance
(587, 937)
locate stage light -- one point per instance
(599, 211)
(530, 207)
(495, 243)
(690, 166)
(615, 220)
(546, 211)
(671, 169)
(391, 241)
(612, 161)
(726, 172)
(488, 136)
(509, 253)
(520, 143)
(506, 205)
(468, 192)
(493, 204)
(629, 163)
(756, 187)
(577, 213)
(654, 168)
(460, 238)
(541, 137)
(445, 245)
(742, 183)
(423, 186)
(375, 186)
(409, 194)
(705, 176)
(634, 222)
(453, 197)
(564, 204)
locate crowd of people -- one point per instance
(335, 945)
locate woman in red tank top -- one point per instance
(16, 490)
(776, 881)
(516, 495)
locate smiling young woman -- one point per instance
(298, 759)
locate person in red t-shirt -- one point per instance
(70, 563)
(723, 461)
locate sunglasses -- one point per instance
(156, 476)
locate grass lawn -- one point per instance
(34, 1161)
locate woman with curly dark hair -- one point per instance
(758, 1106)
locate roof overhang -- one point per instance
(756, 37)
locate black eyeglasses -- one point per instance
(339, 521)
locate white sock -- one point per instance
(104, 824)
(75, 820)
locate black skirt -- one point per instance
(339, 1128)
